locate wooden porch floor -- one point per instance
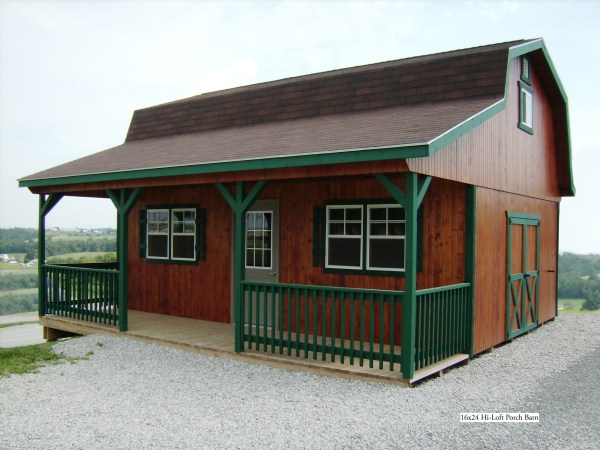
(217, 339)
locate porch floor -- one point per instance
(217, 339)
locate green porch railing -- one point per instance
(442, 323)
(356, 325)
(82, 292)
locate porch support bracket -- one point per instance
(410, 199)
(240, 203)
(123, 201)
(46, 205)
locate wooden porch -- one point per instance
(217, 340)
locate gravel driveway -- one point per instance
(128, 394)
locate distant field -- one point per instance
(79, 237)
(20, 291)
(78, 255)
(14, 267)
(571, 303)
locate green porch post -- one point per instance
(410, 201)
(123, 202)
(239, 205)
(470, 256)
(46, 205)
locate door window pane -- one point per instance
(259, 239)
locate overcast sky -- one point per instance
(72, 73)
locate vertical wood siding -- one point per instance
(499, 155)
(491, 265)
(203, 291)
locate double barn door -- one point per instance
(523, 273)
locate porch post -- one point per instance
(123, 202)
(470, 255)
(46, 204)
(239, 205)
(410, 201)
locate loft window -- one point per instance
(525, 108)
(171, 234)
(525, 70)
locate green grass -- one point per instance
(572, 304)
(26, 359)
(11, 267)
(14, 324)
(20, 360)
(80, 237)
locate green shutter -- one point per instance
(142, 244)
(201, 234)
(420, 239)
(318, 236)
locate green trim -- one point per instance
(123, 200)
(240, 204)
(409, 199)
(45, 206)
(517, 217)
(471, 257)
(338, 157)
(522, 125)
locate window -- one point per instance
(525, 108)
(171, 234)
(344, 237)
(525, 70)
(367, 237)
(386, 234)
(259, 239)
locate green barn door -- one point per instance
(523, 273)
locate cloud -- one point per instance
(242, 72)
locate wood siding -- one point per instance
(499, 155)
(491, 265)
(203, 291)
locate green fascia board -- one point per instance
(352, 156)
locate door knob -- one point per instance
(273, 274)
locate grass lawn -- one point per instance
(80, 237)
(76, 256)
(574, 304)
(15, 267)
(25, 359)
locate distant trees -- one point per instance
(578, 278)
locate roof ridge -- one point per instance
(347, 70)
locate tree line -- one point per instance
(578, 277)
(24, 240)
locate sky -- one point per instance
(72, 73)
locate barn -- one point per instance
(400, 216)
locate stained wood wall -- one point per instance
(204, 291)
(491, 268)
(499, 155)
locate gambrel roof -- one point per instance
(397, 109)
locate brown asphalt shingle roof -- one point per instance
(389, 104)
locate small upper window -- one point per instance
(525, 70)
(525, 108)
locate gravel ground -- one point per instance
(128, 394)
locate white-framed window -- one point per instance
(259, 239)
(157, 232)
(183, 234)
(344, 237)
(525, 107)
(171, 234)
(386, 235)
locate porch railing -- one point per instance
(85, 292)
(358, 325)
(442, 323)
(354, 325)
